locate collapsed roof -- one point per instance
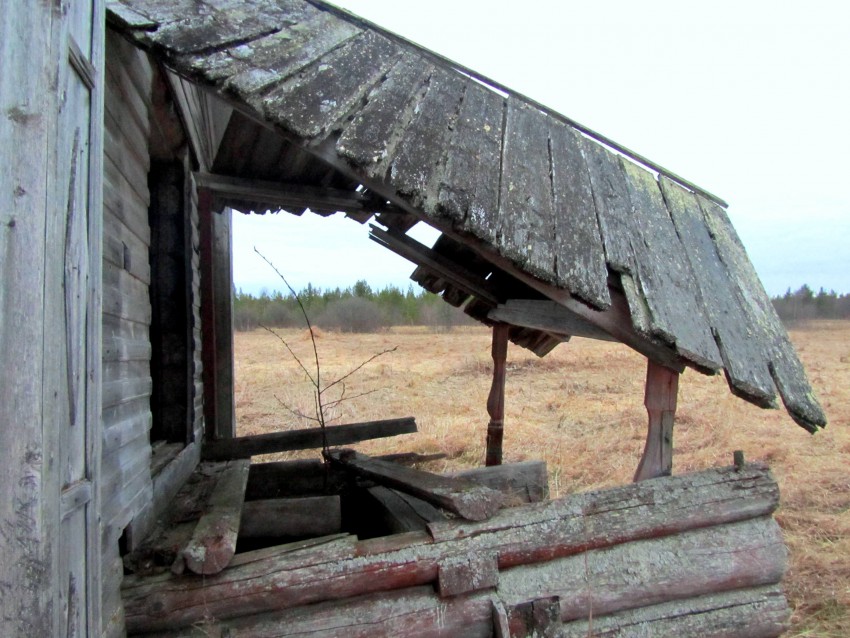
(546, 225)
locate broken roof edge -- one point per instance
(506, 91)
(786, 371)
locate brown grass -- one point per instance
(580, 409)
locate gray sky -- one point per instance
(748, 99)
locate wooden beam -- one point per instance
(213, 542)
(400, 512)
(421, 255)
(306, 439)
(546, 315)
(496, 399)
(464, 498)
(281, 517)
(295, 196)
(662, 386)
(525, 482)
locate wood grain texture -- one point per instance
(785, 366)
(526, 228)
(601, 523)
(580, 256)
(665, 280)
(469, 192)
(307, 516)
(745, 362)
(313, 101)
(660, 398)
(525, 481)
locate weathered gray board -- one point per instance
(415, 129)
(51, 93)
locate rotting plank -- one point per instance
(466, 499)
(419, 160)
(213, 542)
(526, 217)
(330, 87)
(664, 274)
(785, 366)
(401, 512)
(580, 256)
(469, 191)
(745, 363)
(279, 517)
(369, 140)
(661, 511)
(307, 438)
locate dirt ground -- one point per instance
(581, 410)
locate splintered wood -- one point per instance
(678, 556)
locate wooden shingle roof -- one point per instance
(526, 188)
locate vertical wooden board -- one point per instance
(526, 226)
(313, 101)
(613, 206)
(469, 193)
(664, 273)
(369, 139)
(785, 366)
(745, 363)
(28, 107)
(419, 161)
(579, 254)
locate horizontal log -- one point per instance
(242, 447)
(278, 517)
(525, 482)
(527, 534)
(213, 542)
(464, 498)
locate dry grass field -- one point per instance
(580, 409)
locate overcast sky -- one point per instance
(748, 99)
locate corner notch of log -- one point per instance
(662, 387)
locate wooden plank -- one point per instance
(400, 512)
(785, 366)
(543, 314)
(662, 386)
(746, 364)
(526, 214)
(279, 517)
(307, 438)
(580, 255)
(613, 206)
(416, 169)
(369, 140)
(652, 571)
(496, 398)
(312, 102)
(222, 307)
(653, 514)
(664, 275)
(759, 612)
(469, 192)
(213, 542)
(523, 482)
(463, 498)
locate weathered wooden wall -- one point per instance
(134, 489)
(50, 241)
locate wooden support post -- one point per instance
(662, 386)
(496, 400)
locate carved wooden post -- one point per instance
(496, 400)
(662, 386)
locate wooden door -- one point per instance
(73, 307)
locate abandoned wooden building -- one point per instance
(136, 124)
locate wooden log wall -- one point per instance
(702, 543)
(130, 492)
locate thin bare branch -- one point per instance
(295, 412)
(291, 352)
(333, 404)
(353, 370)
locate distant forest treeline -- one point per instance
(806, 304)
(359, 308)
